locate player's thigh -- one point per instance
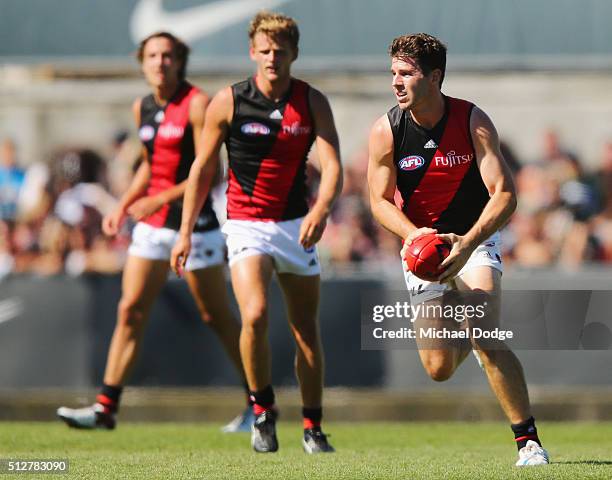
(440, 353)
(483, 278)
(428, 300)
(481, 289)
(251, 278)
(142, 281)
(301, 293)
(482, 284)
(208, 288)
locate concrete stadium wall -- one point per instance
(55, 332)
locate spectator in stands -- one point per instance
(601, 224)
(11, 181)
(80, 206)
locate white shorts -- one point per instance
(155, 243)
(278, 240)
(487, 254)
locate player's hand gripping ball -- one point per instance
(424, 256)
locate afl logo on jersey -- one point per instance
(254, 128)
(146, 133)
(411, 162)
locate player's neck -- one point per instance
(276, 90)
(164, 93)
(428, 113)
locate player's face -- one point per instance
(410, 85)
(273, 57)
(159, 63)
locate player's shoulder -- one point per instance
(224, 96)
(382, 126)
(144, 103)
(381, 136)
(300, 84)
(221, 106)
(458, 108)
(316, 97)
(394, 115)
(199, 99)
(242, 86)
(239, 91)
(465, 108)
(136, 104)
(137, 108)
(458, 102)
(479, 119)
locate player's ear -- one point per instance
(436, 76)
(252, 51)
(295, 53)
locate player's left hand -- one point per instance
(179, 254)
(457, 258)
(312, 228)
(144, 207)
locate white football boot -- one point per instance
(532, 454)
(94, 416)
(242, 423)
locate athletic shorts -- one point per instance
(278, 240)
(155, 243)
(487, 254)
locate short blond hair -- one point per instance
(275, 25)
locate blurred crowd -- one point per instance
(50, 212)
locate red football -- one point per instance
(425, 254)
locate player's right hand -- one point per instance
(411, 237)
(180, 252)
(111, 223)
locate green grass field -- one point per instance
(364, 451)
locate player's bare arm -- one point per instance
(112, 222)
(498, 181)
(382, 182)
(202, 172)
(328, 149)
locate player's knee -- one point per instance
(255, 318)
(440, 374)
(307, 334)
(493, 357)
(439, 369)
(130, 314)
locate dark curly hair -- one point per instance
(426, 50)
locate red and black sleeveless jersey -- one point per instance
(167, 135)
(267, 146)
(437, 174)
